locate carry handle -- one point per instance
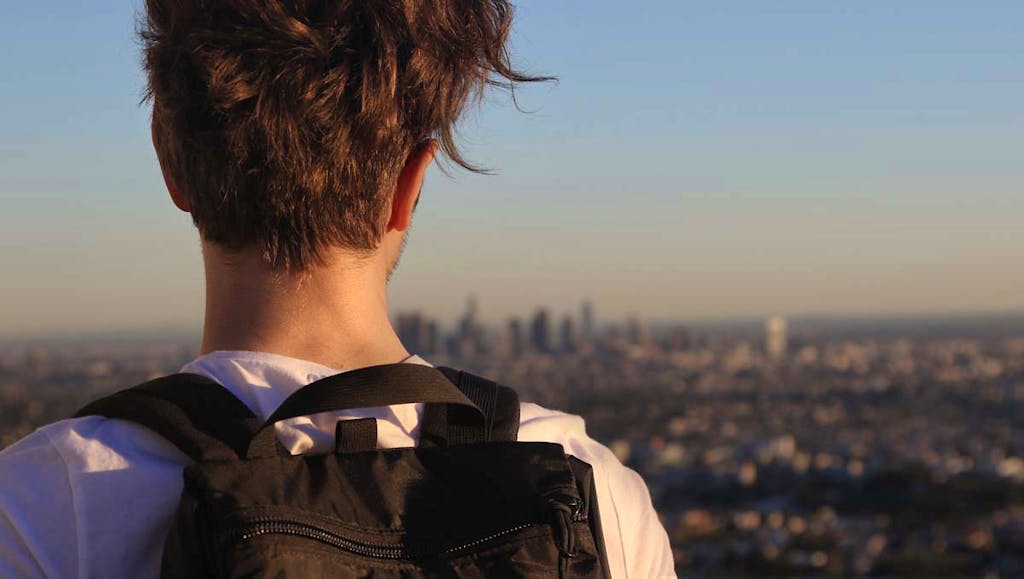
(370, 387)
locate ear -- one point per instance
(410, 181)
(180, 200)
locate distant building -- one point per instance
(515, 343)
(567, 335)
(636, 332)
(587, 323)
(411, 330)
(469, 334)
(468, 324)
(677, 339)
(775, 338)
(540, 332)
(419, 335)
(432, 339)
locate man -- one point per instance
(297, 135)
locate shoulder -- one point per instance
(90, 444)
(37, 507)
(635, 539)
(77, 487)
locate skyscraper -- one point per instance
(514, 343)
(411, 329)
(567, 335)
(636, 332)
(587, 323)
(432, 338)
(540, 332)
(469, 334)
(775, 340)
(468, 323)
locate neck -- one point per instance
(335, 315)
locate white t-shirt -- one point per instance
(94, 497)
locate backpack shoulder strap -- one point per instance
(198, 415)
(447, 424)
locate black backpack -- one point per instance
(469, 501)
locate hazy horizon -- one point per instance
(959, 324)
(694, 162)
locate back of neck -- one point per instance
(335, 315)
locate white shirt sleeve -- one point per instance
(635, 540)
(87, 497)
(645, 544)
(38, 527)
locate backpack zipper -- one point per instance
(566, 512)
(483, 540)
(261, 527)
(372, 550)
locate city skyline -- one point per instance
(735, 160)
(1008, 321)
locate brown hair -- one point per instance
(285, 123)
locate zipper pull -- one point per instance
(565, 511)
(577, 509)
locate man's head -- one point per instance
(291, 127)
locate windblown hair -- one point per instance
(285, 123)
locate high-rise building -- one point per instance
(540, 332)
(587, 322)
(411, 330)
(432, 338)
(567, 335)
(468, 324)
(514, 342)
(775, 339)
(636, 332)
(469, 334)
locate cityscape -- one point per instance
(776, 447)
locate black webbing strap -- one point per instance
(371, 387)
(356, 435)
(199, 416)
(447, 425)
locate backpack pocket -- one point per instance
(313, 545)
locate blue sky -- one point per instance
(694, 160)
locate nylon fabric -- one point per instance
(358, 435)
(198, 415)
(444, 424)
(493, 508)
(469, 506)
